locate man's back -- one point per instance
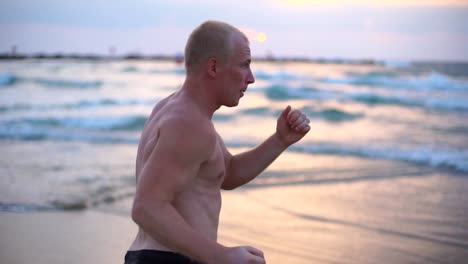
(198, 201)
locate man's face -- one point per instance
(236, 74)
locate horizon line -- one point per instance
(180, 57)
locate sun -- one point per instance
(261, 37)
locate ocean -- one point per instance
(69, 131)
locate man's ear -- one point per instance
(212, 67)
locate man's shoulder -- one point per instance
(188, 129)
(180, 121)
(186, 120)
(181, 110)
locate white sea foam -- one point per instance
(82, 104)
(97, 123)
(432, 81)
(434, 156)
(68, 83)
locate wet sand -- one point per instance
(410, 216)
(64, 237)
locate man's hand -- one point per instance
(241, 255)
(292, 125)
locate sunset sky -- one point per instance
(349, 29)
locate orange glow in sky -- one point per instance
(302, 3)
(254, 35)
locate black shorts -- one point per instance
(146, 256)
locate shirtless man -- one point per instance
(182, 163)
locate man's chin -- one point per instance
(232, 104)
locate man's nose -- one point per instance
(250, 78)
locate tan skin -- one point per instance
(182, 163)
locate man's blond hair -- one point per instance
(212, 39)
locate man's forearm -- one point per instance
(245, 166)
(163, 223)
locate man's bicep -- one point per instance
(162, 178)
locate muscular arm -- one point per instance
(244, 167)
(173, 164)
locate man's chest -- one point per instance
(214, 169)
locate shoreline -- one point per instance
(396, 219)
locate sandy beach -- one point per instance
(361, 222)
(64, 237)
(364, 221)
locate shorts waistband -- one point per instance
(150, 256)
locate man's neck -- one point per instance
(199, 92)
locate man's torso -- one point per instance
(200, 203)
